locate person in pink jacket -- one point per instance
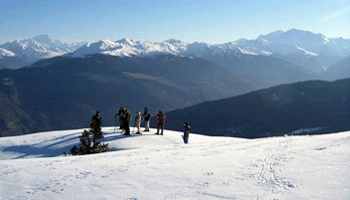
(161, 118)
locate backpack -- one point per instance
(128, 116)
(161, 117)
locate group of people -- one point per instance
(124, 116)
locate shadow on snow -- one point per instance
(63, 145)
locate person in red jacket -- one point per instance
(161, 118)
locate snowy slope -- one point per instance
(162, 167)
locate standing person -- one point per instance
(161, 118)
(95, 125)
(147, 116)
(186, 132)
(127, 117)
(138, 122)
(121, 117)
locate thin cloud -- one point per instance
(336, 15)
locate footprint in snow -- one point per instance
(209, 174)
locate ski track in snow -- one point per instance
(268, 174)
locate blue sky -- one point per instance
(216, 21)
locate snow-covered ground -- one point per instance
(149, 166)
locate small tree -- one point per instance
(85, 146)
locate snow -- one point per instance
(127, 47)
(247, 52)
(149, 166)
(305, 130)
(4, 52)
(305, 52)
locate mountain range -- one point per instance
(311, 51)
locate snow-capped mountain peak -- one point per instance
(126, 41)
(44, 39)
(174, 42)
(94, 48)
(128, 47)
(106, 44)
(39, 47)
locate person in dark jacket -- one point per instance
(147, 116)
(186, 132)
(161, 118)
(126, 119)
(121, 117)
(95, 125)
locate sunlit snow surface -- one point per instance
(149, 166)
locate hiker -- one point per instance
(95, 125)
(161, 118)
(121, 117)
(186, 132)
(138, 122)
(147, 116)
(127, 117)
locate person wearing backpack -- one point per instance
(186, 132)
(127, 118)
(147, 116)
(161, 118)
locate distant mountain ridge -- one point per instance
(276, 43)
(311, 51)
